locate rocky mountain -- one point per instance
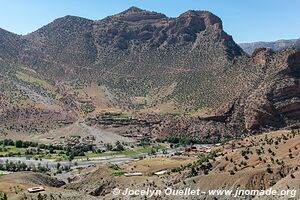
(141, 84)
(274, 101)
(142, 61)
(27, 99)
(276, 45)
(297, 44)
(142, 55)
(10, 45)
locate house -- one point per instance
(133, 174)
(162, 172)
(35, 189)
(191, 149)
(205, 149)
(217, 145)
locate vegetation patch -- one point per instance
(118, 174)
(33, 80)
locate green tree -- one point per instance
(19, 143)
(3, 196)
(119, 146)
(108, 147)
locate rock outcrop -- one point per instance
(275, 102)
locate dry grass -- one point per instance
(151, 165)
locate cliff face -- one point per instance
(275, 103)
(273, 100)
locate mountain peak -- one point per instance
(68, 22)
(133, 9)
(206, 17)
(134, 14)
(71, 18)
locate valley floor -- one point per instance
(260, 162)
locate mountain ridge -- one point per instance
(77, 44)
(277, 45)
(143, 61)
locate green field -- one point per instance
(61, 154)
(8, 151)
(33, 80)
(11, 150)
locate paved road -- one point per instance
(74, 164)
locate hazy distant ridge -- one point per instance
(276, 45)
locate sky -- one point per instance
(245, 20)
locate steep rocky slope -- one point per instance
(10, 45)
(144, 55)
(27, 99)
(274, 101)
